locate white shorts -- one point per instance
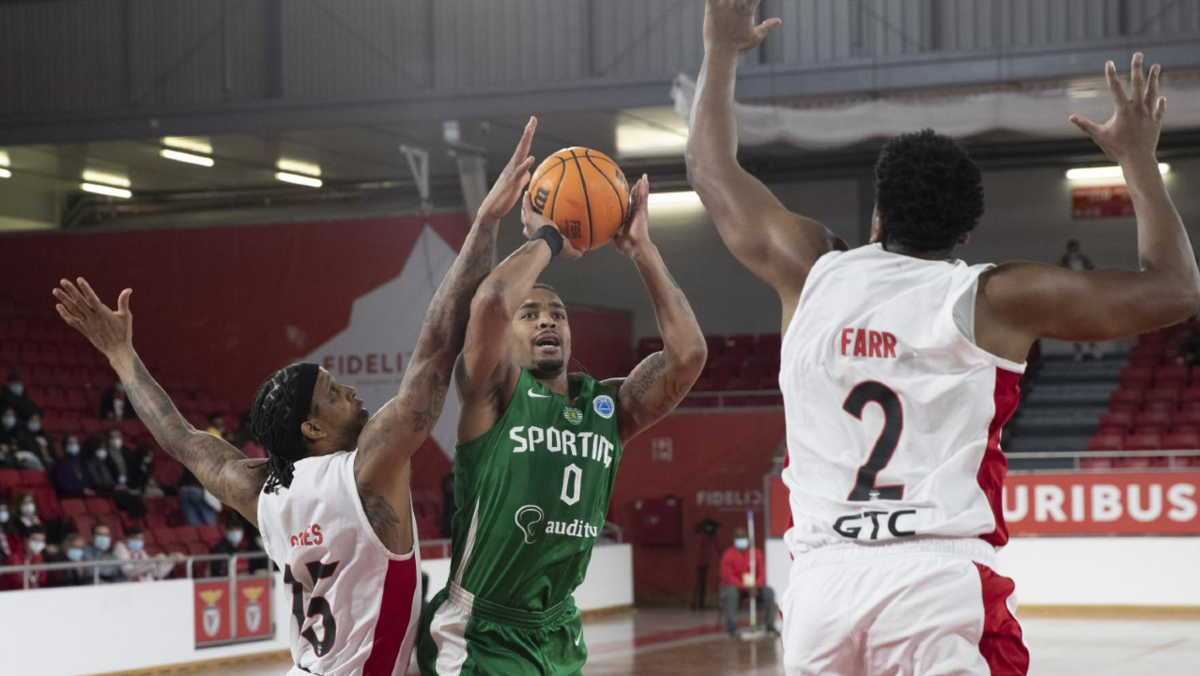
(921, 607)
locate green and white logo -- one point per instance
(573, 415)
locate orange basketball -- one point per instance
(584, 192)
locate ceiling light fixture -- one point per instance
(93, 176)
(180, 156)
(298, 179)
(195, 145)
(298, 167)
(105, 190)
(666, 198)
(5, 173)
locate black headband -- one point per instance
(306, 381)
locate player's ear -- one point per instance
(964, 238)
(313, 430)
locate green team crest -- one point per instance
(573, 415)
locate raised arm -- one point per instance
(405, 422)
(775, 244)
(221, 468)
(1020, 302)
(485, 366)
(663, 379)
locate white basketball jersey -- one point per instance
(893, 414)
(355, 605)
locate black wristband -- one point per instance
(553, 237)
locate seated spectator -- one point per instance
(139, 566)
(117, 452)
(256, 546)
(8, 427)
(10, 539)
(101, 550)
(196, 510)
(114, 405)
(8, 456)
(35, 448)
(30, 554)
(73, 550)
(15, 397)
(139, 462)
(27, 513)
(234, 542)
(101, 471)
(736, 581)
(216, 425)
(71, 478)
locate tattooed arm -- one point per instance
(221, 468)
(662, 380)
(403, 424)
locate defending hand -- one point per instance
(80, 307)
(504, 194)
(730, 24)
(1134, 127)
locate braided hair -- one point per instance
(281, 406)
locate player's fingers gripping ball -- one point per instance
(584, 192)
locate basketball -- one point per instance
(584, 192)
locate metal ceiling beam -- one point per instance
(756, 83)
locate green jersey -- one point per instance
(533, 493)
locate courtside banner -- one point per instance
(1143, 503)
(212, 613)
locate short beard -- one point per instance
(547, 368)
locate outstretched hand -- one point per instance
(1136, 122)
(82, 310)
(534, 221)
(504, 194)
(730, 23)
(636, 233)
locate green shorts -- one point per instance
(464, 636)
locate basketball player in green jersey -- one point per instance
(537, 456)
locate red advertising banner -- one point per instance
(215, 611)
(1144, 503)
(1102, 201)
(212, 613)
(254, 608)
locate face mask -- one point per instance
(8, 421)
(741, 543)
(28, 509)
(258, 541)
(35, 426)
(119, 406)
(147, 460)
(17, 388)
(234, 537)
(36, 547)
(115, 443)
(75, 554)
(120, 387)
(4, 516)
(72, 449)
(137, 545)
(101, 454)
(103, 542)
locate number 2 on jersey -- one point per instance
(881, 454)
(317, 605)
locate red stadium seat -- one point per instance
(1096, 463)
(1106, 442)
(47, 501)
(187, 534)
(1174, 374)
(1143, 442)
(209, 535)
(1181, 441)
(1136, 377)
(1164, 393)
(72, 507)
(83, 524)
(33, 478)
(1125, 400)
(1117, 419)
(156, 520)
(100, 506)
(1152, 422)
(165, 536)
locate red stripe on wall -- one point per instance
(395, 614)
(995, 466)
(1001, 644)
